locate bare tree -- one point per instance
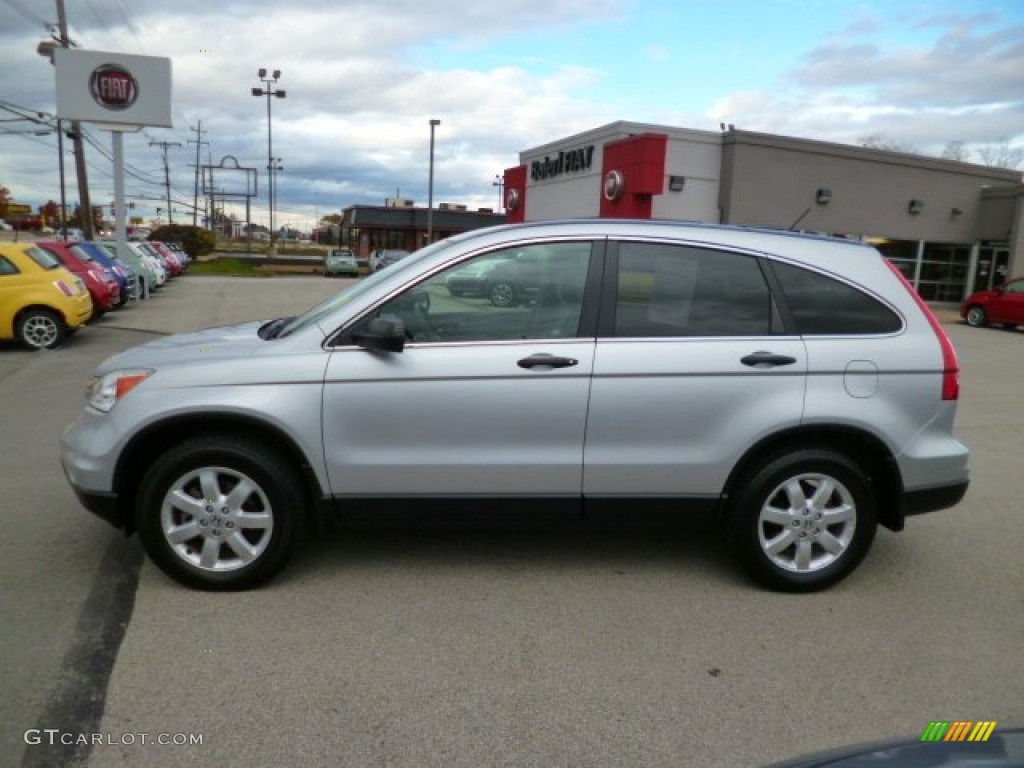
(879, 141)
(1000, 154)
(956, 150)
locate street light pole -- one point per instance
(434, 122)
(499, 182)
(280, 94)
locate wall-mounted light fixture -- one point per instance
(915, 206)
(955, 212)
(823, 196)
(676, 183)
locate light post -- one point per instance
(434, 122)
(499, 182)
(275, 166)
(268, 92)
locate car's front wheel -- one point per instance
(976, 317)
(802, 521)
(221, 513)
(40, 329)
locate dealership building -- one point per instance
(951, 227)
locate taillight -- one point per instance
(63, 287)
(950, 365)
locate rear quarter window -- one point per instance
(823, 306)
(44, 259)
(81, 253)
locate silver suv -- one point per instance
(795, 386)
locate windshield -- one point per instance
(356, 290)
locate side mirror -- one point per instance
(382, 334)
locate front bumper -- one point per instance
(88, 451)
(104, 505)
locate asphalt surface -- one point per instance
(463, 647)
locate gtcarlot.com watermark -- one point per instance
(55, 736)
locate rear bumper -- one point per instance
(933, 499)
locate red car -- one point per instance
(164, 255)
(104, 290)
(1002, 305)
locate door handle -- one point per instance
(544, 360)
(764, 359)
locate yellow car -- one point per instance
(40, 301)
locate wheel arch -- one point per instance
(862, 448)
(40, 306)
(140, 452)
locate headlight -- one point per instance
(104, 391)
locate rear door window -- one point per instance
(670, 290)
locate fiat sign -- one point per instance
(113, 87)
(115, 90)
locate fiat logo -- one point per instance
(614, 184)
(113, 87)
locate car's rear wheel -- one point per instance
(221, 513)
(502, 294)
(40, 329)
(802, 521)
(976, 317)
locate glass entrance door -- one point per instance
(992, 266)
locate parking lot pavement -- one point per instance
(471, 648)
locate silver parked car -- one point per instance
(795, 386)
(385, 258)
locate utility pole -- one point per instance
(198, 141)
(76, 136)
(167, 174)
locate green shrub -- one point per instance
(195, 240)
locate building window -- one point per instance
(943, 275)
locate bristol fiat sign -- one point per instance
(116, 90)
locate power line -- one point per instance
(32, 17)
(128, 24)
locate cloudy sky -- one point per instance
(364, 77)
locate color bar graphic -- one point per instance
(958, 730)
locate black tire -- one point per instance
(502, 293)
(778, 524)
(976, 316)
(40, 329)
(266, 521)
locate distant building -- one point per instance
(401, 225)
(951, 227)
